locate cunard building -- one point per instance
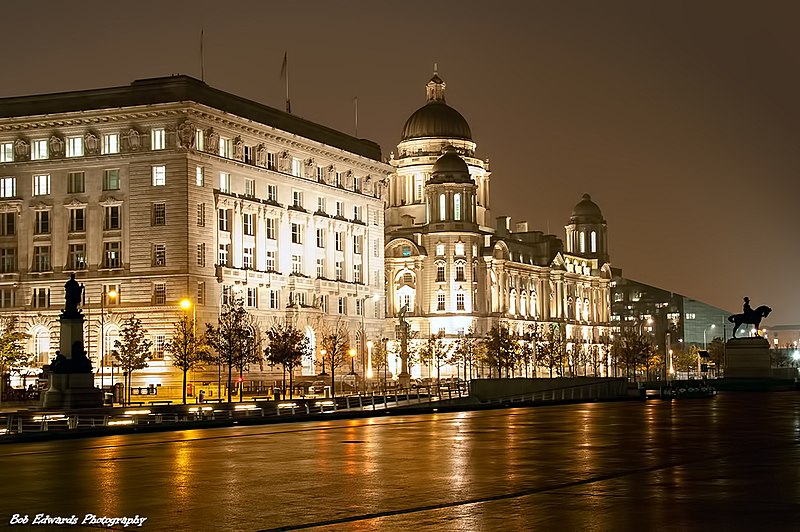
(451, 269)
(169, 190)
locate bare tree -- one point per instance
(286, 345)
(336, 343)
(502, 347)
(132, 351)
(12, 348)
(189, 350)
(235, 340)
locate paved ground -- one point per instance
(728, 463)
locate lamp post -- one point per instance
(352, 363)
(705, 343)
(322, 353)
(186, 304)
(112, 294)
(361, 343)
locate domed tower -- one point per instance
(450, 192)
(587, 233)
(425, 134)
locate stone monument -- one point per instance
(71, 379)
(748, 357)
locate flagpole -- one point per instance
(288, 101)
(356, 110)
(202, 58)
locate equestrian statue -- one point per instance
(749, 315)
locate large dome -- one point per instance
(436, 118)
(586, 211)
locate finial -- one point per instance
(436, 69)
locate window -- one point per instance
(320, 174)
(273, 299)
(356, 273)
(375, 250)
(41, 297)
(442, 207)
(6, 152)
(227, 296)
(440, 301)
(77, 220)
(440, 272)
(108, 289)
(201, 293)
(6, 297)
(159, 255)
(76, 183)
(440, 249)
(159, 342)
(41, 258)
(323, 303)
(459, 249)
(339, 240)
(158, 139)
(593, 241)
(320, 267)
(201, 254)
(297, 234)
(112, 256)
(159, 176)
(160, 293)
(247, 258)
(271, 161)
(247, 224)
(582, 241)
(297, 167)
(270, 225)
(297, 198)
(460, 271)
(74, 146)
(252, 297)
(111, 179)
(112, 218)
(41, 185)
(110, 143)
(77, 257)
(225, 182)
(249, 187)
(8, 223)
(342, 305)
(8, 260)
(41, 223)
(272, 193)
(417, 188)
(201, 214)
(269, 259)
(339, 270)
(38, 150)
(199, 140)
(320, 238)
(359, 307)
(321, 204)
(358, 213)
(199, 176)
(224, 252)
(338, 181)
(357, 244)
(357, 184)
(159, 214)
(340, 208)
(223, 218)
(297, 264)
(225, 147)
(456, 206)
(459, 300)
(8, 187)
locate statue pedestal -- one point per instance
(747, 358)
(72, 390)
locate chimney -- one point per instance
(521, 227)
(504, 225)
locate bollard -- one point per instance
(360, 403)
(308, 410)
(347, 401)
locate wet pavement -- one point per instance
(727, 463)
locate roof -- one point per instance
(586, 211)
(450, 168)
(183, 89)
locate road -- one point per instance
(731, 462)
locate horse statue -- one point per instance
(753, 317)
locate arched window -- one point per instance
(440, 272)
(442, 207)
(593, 241)
(523, 304)
(111, 336)
(582, 240)
(578, 309)
(512, 302)
(41, 345)
(586, 309)
(457, 207)
(460, 271)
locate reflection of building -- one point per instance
(659, 311)
(170, 189)
(455, 270)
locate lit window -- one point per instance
(582, 241)
(225, 182)
(199, 176)
(38, 150)
(111, 179)
(110, 143)
(77, 257)
(224, 252)
(459, 249)
(440, 250)
(199, 138)
(159, 341)
(593, 241)
(297, 264)
(6, 152)
(158, 139)
(297, 167)
(159, 255)
(112, 255)
(74, 146)
(456, 206)
(225, 147)
(442, 207)
(201, 293)
(8, 187)
(76, 183)
(159, 176)
(41, 185)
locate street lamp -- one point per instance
(352, 358)
(369, 359)
(705, 343)
(367, 373)
(113, 295)
(186, 304)
(322, 353)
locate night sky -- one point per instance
(681, 120)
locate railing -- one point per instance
(575, 392)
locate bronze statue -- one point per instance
(73, 294)
(749, 315)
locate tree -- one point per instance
(189, 351)
(607, 353)
(12, 349)
(380, 360)
(503, 347)
(716, 352)
(553, 350)
(286, 346)
(235, 340)
(336, 343)
(634, 350)
(433, 354)
(465, 351)
(132, 350)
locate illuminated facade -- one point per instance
(454, 271)
(169, 189)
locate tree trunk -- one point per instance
(230, 376)
(333, 381)
(291, 383)
(185, 370)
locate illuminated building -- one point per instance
(170, 189)
(456, 271)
